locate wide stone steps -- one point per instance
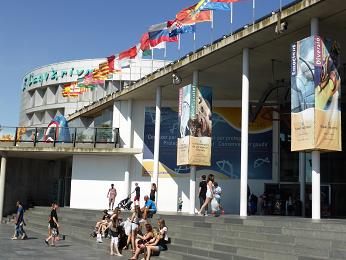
(225, 237)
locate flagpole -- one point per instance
(152, 60)
(130, 74)
(194, 38)
(280, 6)
(253, 12)
(212, 27)
(179, 44)
(164, 55)
(231, 18)
(140, 68)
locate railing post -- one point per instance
(15, 137)
(35, 137)
(74, 137)
(95, 137)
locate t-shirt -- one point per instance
(20, 212)
(217, 192)
(203, 191)
(51, 221)
(164, 233)
(150, 205)
(138, 191)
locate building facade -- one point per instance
(43, 88)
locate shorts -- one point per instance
(111, 199)
(55, 232)
(134, 226)
(136, 198)
(209, 195)
(162, 247)
(115, 240)
(153, 211)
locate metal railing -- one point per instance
(59, 135)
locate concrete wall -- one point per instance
(92, 176)
(91, 173)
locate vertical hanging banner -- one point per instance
(195, 125)
(315, 95)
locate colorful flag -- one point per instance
(157, 37)
(189, 16)
(158, 27)
(223, 5)
(183, 29)
(111, 60)
(129, 54)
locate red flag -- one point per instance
(189, 16)
(130, 53)
(145, 43)
(110, 60)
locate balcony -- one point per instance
(73, 137)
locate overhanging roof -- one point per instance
(220, 64)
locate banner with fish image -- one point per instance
(225, 152)
(315, 95)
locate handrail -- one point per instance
(59, 135)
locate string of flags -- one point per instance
(156, 37)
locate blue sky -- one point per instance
(40, 32)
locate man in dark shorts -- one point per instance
(137, 194)
(53, 225)
(202, 192)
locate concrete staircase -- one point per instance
(224, 237)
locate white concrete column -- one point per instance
(129, 124)
(127, 176)
(302, 179)
(195, 82)
(155, 177)
(316, 185)
(315, 156)
(192, 189)
(128, 144)
(2, 184)
(244, 133)
(276, 147)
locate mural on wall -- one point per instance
(57, 130)
(74, 89)
(225, 159)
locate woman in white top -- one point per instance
(209, 194)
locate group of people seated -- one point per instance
(128, 233)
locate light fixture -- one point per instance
(176, 79)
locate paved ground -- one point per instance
(34, 248)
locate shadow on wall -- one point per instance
(34, 183)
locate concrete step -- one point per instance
(265, 248)
(226, 236)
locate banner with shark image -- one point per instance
(225, 152)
